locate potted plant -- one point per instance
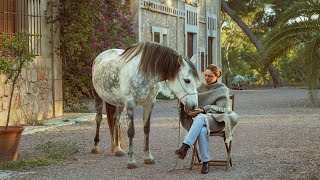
(14, 55)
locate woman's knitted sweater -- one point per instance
(214, 99)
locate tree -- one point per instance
(240, 57)
(14, 55)
(298, 30)
(254, 39)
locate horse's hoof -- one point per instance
(149, 161)
(120, 153)
(132, 165)
(95, 150)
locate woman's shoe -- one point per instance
(205, 167)
(182, 152)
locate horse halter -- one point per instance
(187, 93)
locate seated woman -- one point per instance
(213, 115)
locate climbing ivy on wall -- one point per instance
(87, 27)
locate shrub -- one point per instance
(86, 29)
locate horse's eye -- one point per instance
(187, 81)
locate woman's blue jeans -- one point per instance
(198, 131)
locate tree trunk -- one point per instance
(272, 70)
(275, 76)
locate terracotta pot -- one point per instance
(9, 142)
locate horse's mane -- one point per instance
(157, 60)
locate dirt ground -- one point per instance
(278, 137)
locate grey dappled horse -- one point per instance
(127, 78)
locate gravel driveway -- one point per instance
(278, 137)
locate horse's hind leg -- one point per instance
(148, 158)
(98, 107)
(118, 151)
(111, 110)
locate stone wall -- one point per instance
(158, 20)
(155, 13)
(38, 93)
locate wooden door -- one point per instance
(190, 45)
(202, 62)
(210, 41)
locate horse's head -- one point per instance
(184, 85)
(164, 63)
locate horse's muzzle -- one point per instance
(190, 107)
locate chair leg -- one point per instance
(229, 154)
(192, 158)
(227, 162)
(195, 155)
(228, 148)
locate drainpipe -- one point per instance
(185, 32)
(52, 65)
(206, 30)
(139, 22)
(219, 33)
(178, 27)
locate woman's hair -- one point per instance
(215, 70)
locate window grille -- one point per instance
(211, 24)
(192, 18)
(22, 16)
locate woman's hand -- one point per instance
(195, 112)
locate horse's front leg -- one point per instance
(147, 110)
(118, 151)
(130, 115)
(98, 107)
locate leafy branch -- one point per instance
(15, 54)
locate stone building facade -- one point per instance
(192, 27)
(38, 93)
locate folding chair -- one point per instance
(195, 160)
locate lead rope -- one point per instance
(177, 158)
(178, 105)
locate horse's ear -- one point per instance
(194, 59)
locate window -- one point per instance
(156, 37)
(165, 40)
(22, 15)
(159, 35)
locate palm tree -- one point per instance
(251, 35)
(298, 29)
